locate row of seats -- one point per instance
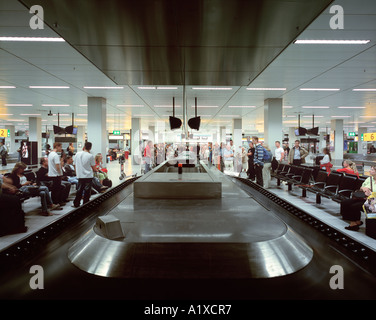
(335, 186)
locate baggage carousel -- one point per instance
(244, 244)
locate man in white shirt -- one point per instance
(279, 152)
(55, 173)
(84, 164)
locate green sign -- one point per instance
(116, 132)
(352, 134)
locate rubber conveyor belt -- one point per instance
(63, 280)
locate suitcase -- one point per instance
(371, 227)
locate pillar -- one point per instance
(222, 135)
(97, 126)
(273, 109)
(11, 140)
(362, 145)
(337, 155)
(81, 135)
(136, 141)
(237, 135)
(35, 133)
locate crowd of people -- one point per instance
(52, 183)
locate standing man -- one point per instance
(148, 156)
(84, 163)
(258, 160)
(55, 173)
(3, 153)
(251, 165)
(297, 154)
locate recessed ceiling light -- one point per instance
(319, 89)
(242, 106)
(351, 107)
(49, 87)
(364, 90)
(131, 105)
(166, 106)
(146, 88)
(167, 88)
(105, 88)
(331, 41)
(367, 116)
(287, 107)
(315, 107)
(7, 87)
(314, 116)
(55, 105)
(30, 114)
(6, 114)
(267, 89)
(340, 116)
(213, 88)
(18, 105)
(205, 106)
(32, 39)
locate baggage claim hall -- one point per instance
(187, 150)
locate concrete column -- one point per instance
(237, 135)
(11, 141)
(362, 145)
(136, 140)
(292, 137)
(97, 126)
(35, 132)
(222, 135)
(337, 155)
(81, 135)
(273, 109)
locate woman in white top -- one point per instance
(326, 161)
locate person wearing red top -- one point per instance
(349, 167)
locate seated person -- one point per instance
(43, 178)
(349, 167)
(101, 173)
(70, 172)
(18, 180)
(12, 217)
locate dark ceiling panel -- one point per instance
(195, 42)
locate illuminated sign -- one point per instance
(369, 136)
(4, 133)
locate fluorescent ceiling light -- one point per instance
(82, 114)
(167, 88)
(319, 89)
(86, 87)
(331, 41)
(49, 87)
(165, 106)
(131, 105)
(18, 105)
(7, 87)
(146, 88)
(30, 114)
(229, 115)
(6, 114)
(55, 105)
(351, 107)
(364, 90)
(205, 106)
(267, 89)
(315, 107)
(242, 106)
(314, 116)
(287, 107)
(219, 88)
(340, 116)
(367, 116)
(32, 39)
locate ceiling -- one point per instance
(193, 45)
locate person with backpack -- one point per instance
(258, 160)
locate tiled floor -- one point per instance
(32, 207)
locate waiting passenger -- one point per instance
(349, 167)
(258, 160)
(326, 161)
(352, 209)
(12, 217)
(31, 189)
(297, 154)
(228, 156)
(266, 176)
